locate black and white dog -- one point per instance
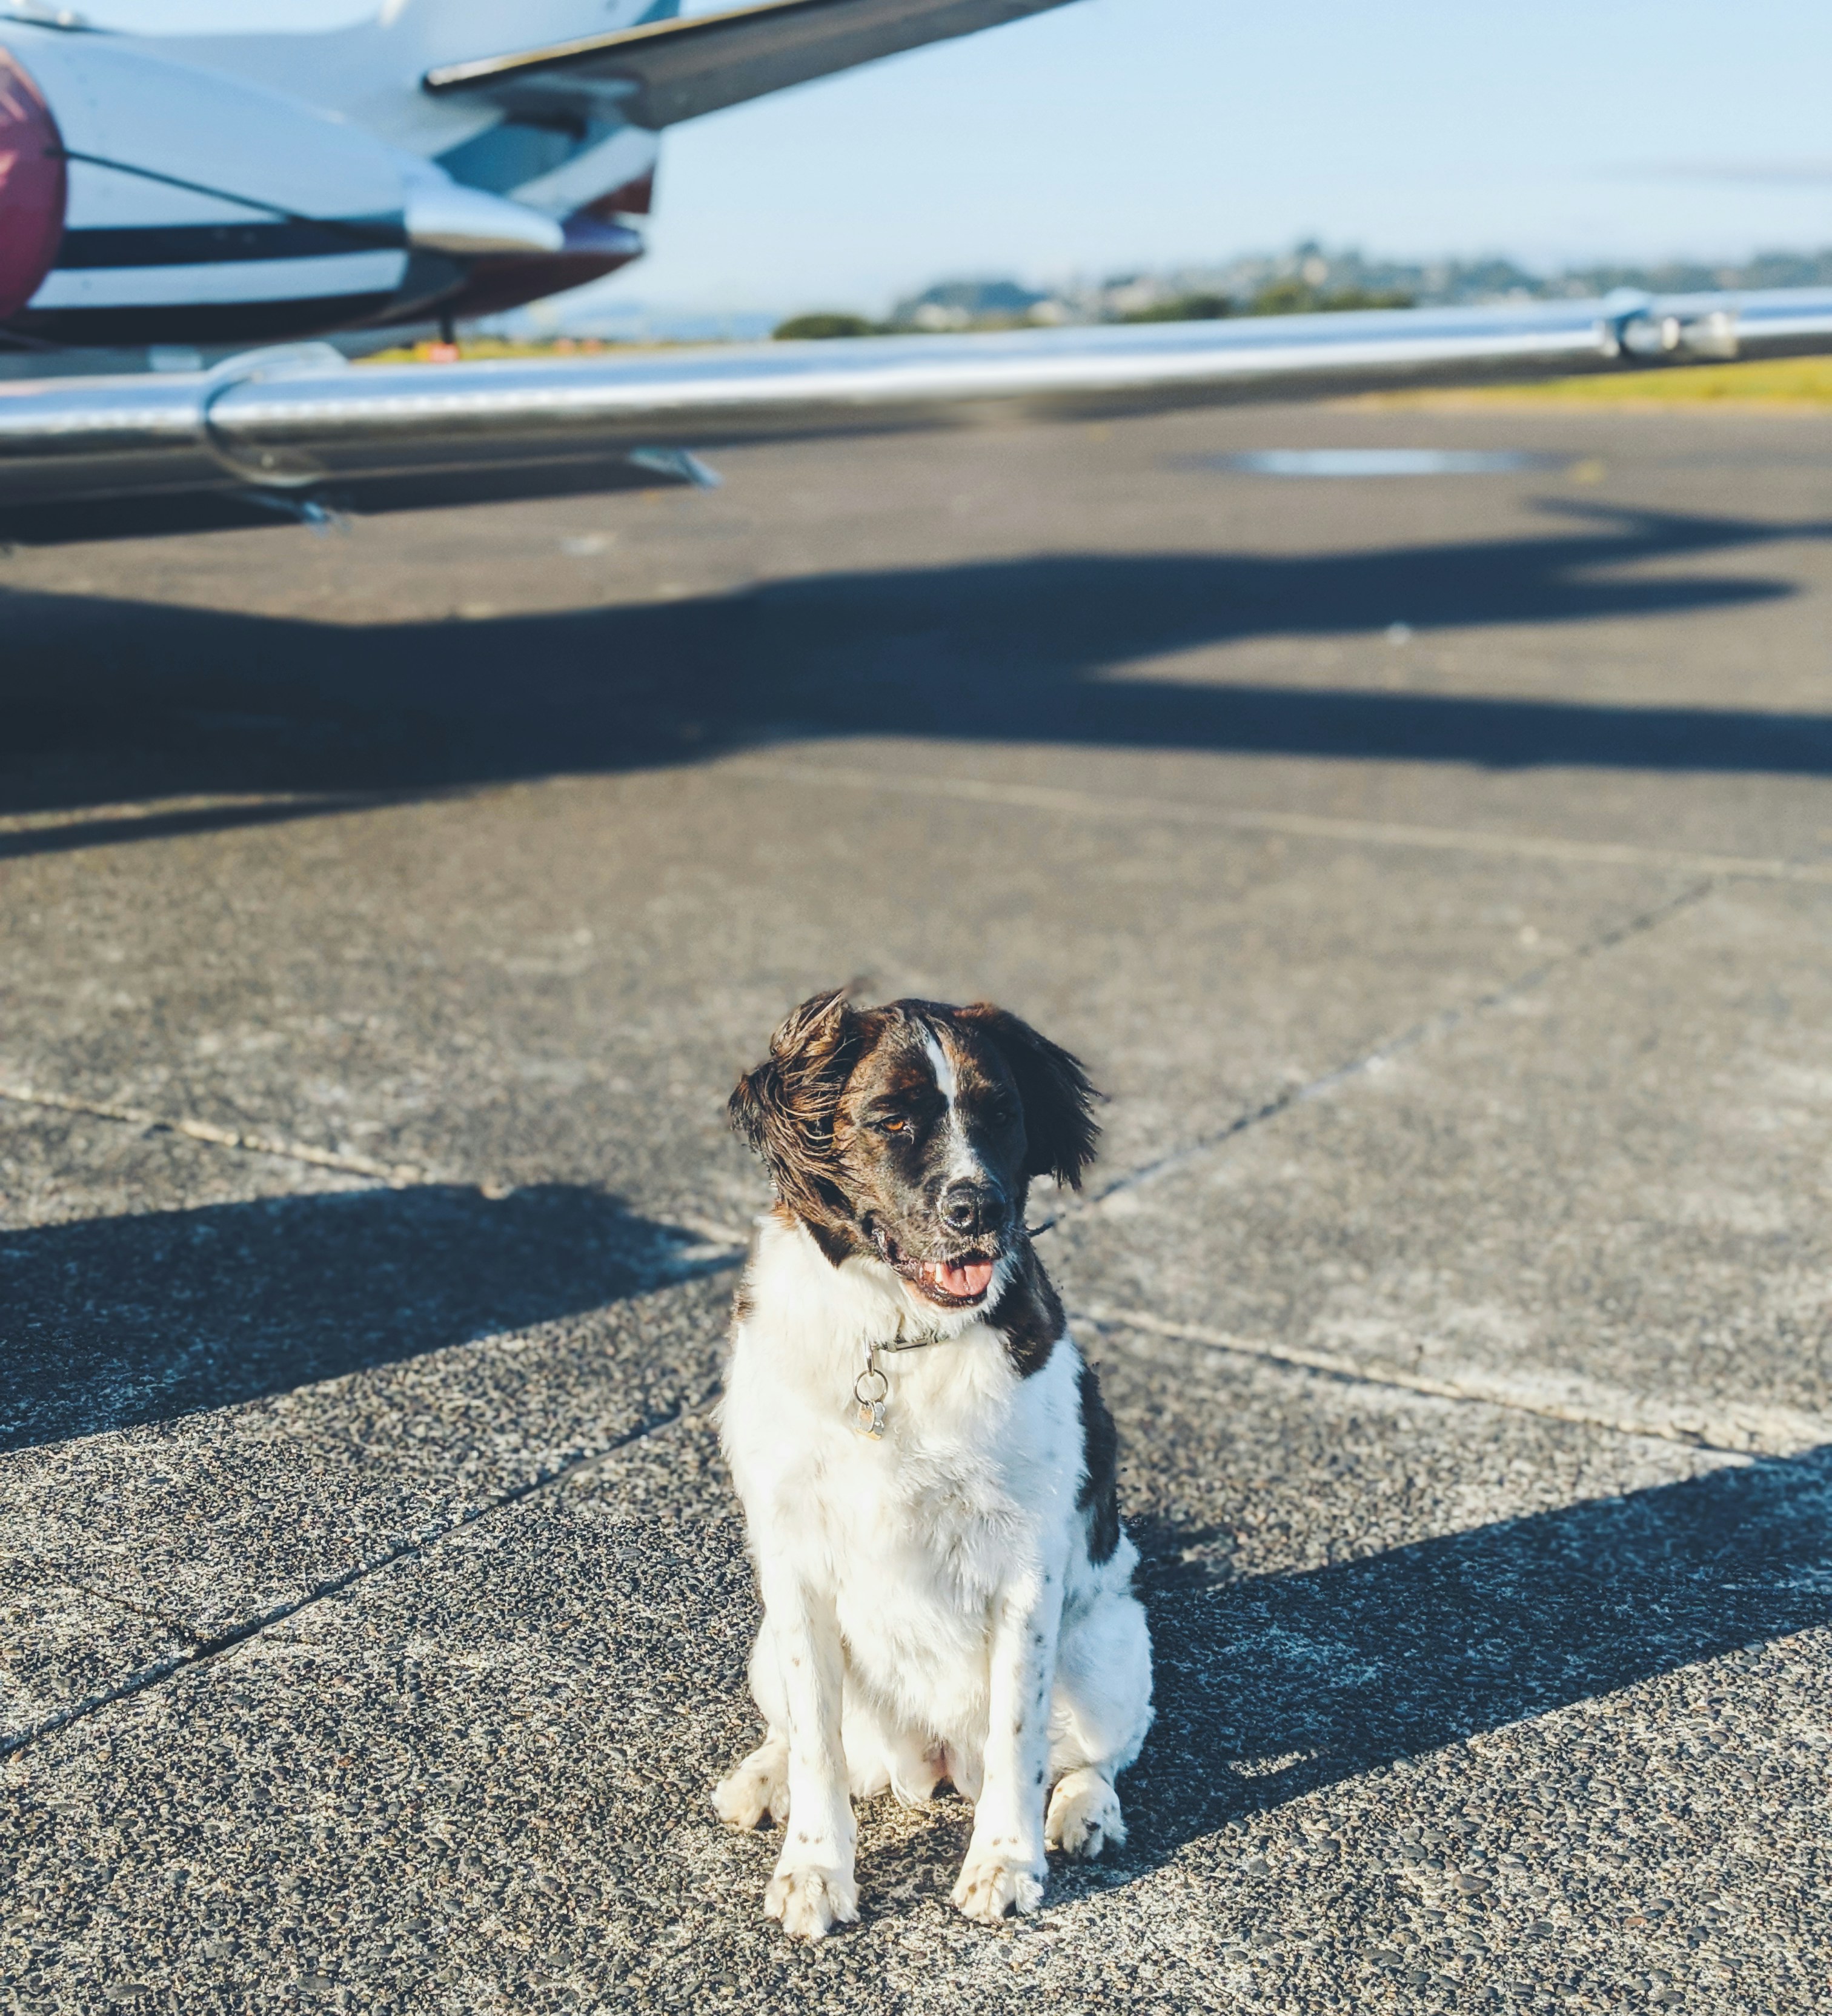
(925, 1463)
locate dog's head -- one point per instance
(911, 1133)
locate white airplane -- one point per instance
(263, 187)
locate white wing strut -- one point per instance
(302, 420)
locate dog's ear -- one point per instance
(784, 1109)
(1061, 1131)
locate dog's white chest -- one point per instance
(925, 1530)
(915, 1534)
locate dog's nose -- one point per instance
(969, 1207)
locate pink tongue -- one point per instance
(974, 1278)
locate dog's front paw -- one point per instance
(812, 1902)
(758, 1791)
(1084, 1815)
(993, 1885)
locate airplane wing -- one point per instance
(672, 70)
(301, 424)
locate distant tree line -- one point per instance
(819, 326)
(1282, 297)
(1306, 280)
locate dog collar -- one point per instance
(872, 1388)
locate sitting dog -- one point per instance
(925, 1463)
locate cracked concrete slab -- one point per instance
(437, 983)
(64, 1644)
(420, 988)
(209, 1413)
(1609, 1196)
(60, 1167)
(478, 1778)
(212, 1523)
(365, 1546)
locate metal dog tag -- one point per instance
(868, 1415)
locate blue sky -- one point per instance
(1116, 134)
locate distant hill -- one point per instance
(1313, 276)
(1308, 278)
(967, 305)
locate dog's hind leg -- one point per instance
(867, 1747)
(1084, 1814)
(758, 1789)
(915, 1770)
(1100, 1709)
(880, 1752)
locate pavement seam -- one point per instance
(204, 1650)
(401, 1175)
(1473, 1387)
(1303, 826)
(398, 1175)
(1694, 1428)
(727, 1242)
(1441, 1024)
(175, 1624)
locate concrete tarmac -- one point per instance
(1436, 872)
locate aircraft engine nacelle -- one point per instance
(143, 200)
(32, 187)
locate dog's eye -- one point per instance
(895, 1124)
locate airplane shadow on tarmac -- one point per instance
(115, 1321)
(1270, 1688)
(113, 702)
(1273, 1687)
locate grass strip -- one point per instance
(1790, 384)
